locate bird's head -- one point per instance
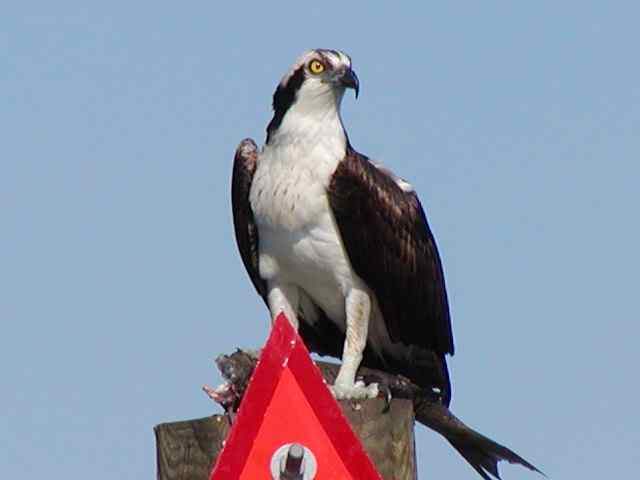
(314, 85)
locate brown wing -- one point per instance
(390, 246)
(244, 166)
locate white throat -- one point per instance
(313, 122)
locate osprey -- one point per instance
(339, 244)
(342, 246)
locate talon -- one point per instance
(357, 391)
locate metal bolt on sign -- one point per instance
(293, 461)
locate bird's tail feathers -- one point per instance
(482, 453)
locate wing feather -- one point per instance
(390, 246)
(244, 167)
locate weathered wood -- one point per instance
(187, 450)
(386, 435)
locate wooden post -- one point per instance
(188, 449)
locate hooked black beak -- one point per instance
(349, 79)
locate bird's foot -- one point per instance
(354, 391)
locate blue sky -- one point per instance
(518, 124)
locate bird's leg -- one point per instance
(358, 311)
(283, 298)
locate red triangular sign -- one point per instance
(287, 401)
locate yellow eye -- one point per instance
(316, 67)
